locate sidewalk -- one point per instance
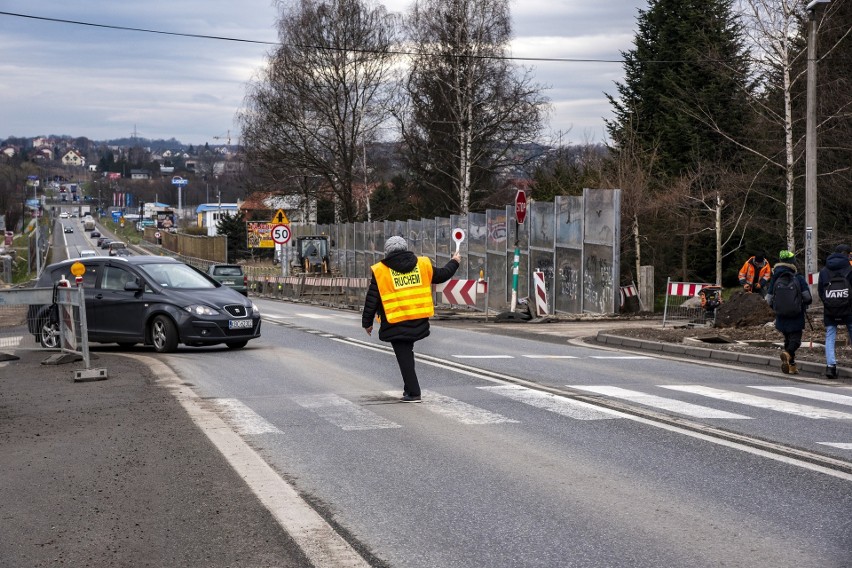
(114, 473)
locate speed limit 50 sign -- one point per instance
(281, 234)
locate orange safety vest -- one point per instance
(405, 296)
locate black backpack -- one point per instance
(837, 299)
(787, 295)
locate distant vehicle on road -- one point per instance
(117, 248)
(69, 229)
(153, 300)
(95, 234)
(230, 275)
(104, 242)
(86, 253)
(88, 223)
(63, 215)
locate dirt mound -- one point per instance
(744, 309)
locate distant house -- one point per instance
(73, 158)
(93, 167)
(8, 151)
(140, 174)
(209, 214)
(262, 205)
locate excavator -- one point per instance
(312, 255)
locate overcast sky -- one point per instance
(60, 78)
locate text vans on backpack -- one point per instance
(837, 297)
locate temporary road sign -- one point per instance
(157, 235)
(280, 218)
(458, 237)
(521, 206)
(458, 292)
(281, 234)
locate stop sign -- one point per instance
(521, 206)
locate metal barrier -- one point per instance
(688, 308)
(44, 318)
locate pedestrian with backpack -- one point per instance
(789, 296)
(835, 292)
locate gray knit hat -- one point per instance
(395, 244)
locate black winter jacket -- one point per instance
(409, 330)
(835, 261)
(797, 322)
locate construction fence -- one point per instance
(573, 241)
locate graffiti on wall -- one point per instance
(598, 277)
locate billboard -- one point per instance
(259, 234)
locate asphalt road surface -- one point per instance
(536, 453)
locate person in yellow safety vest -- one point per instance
(400, 294)
(755, 274)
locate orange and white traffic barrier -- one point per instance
(540, 294)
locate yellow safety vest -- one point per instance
(405, 296)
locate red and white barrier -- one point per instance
(540, 294)
(461, 292)
(681, 311)
(685, 288)
(628, 292)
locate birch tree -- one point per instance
(467, 105)
(322, 97)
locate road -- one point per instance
(537, 453)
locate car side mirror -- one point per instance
(133, 286)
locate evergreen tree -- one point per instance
(688, 61)
(234, 228)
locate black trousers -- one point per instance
(792, 341)
(404, 351)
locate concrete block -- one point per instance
(697, 352)
(86, 375)
(725, 355)
(651, 345)
(673, 348)
(753, 359)
(628, 342)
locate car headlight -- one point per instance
(255, 311)
(201, 310)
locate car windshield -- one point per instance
(172, 275)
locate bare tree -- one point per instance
(467, 107)
(320, 99)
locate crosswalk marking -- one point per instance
(761, 402)
(840, 445)
(553, 403)
(343, 413)
(244, 420)
(812, 394)
(672, 405)
(458, 410)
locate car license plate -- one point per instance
(228, 282)
(240, 324)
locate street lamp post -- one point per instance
(811, 233)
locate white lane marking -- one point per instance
(343, 413)
(327, 335)
(11, 341)
(458, 410)
(841, 445)
(669, 404)
(812, 394)
(619, 357)
(550, 356)
(483, 356)
(314, 316)
(554, 403)
(245, 420)
(761, 402)
(312, 534)
(315, 331)
(800, 463)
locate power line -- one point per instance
(259, 42)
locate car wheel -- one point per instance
(236, 344)
(48, 335)
(164, 335)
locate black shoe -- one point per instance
(408, 398)
(831, 371)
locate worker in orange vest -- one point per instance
(755, 274)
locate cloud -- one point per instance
(104, 83)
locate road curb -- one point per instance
(713, 354)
